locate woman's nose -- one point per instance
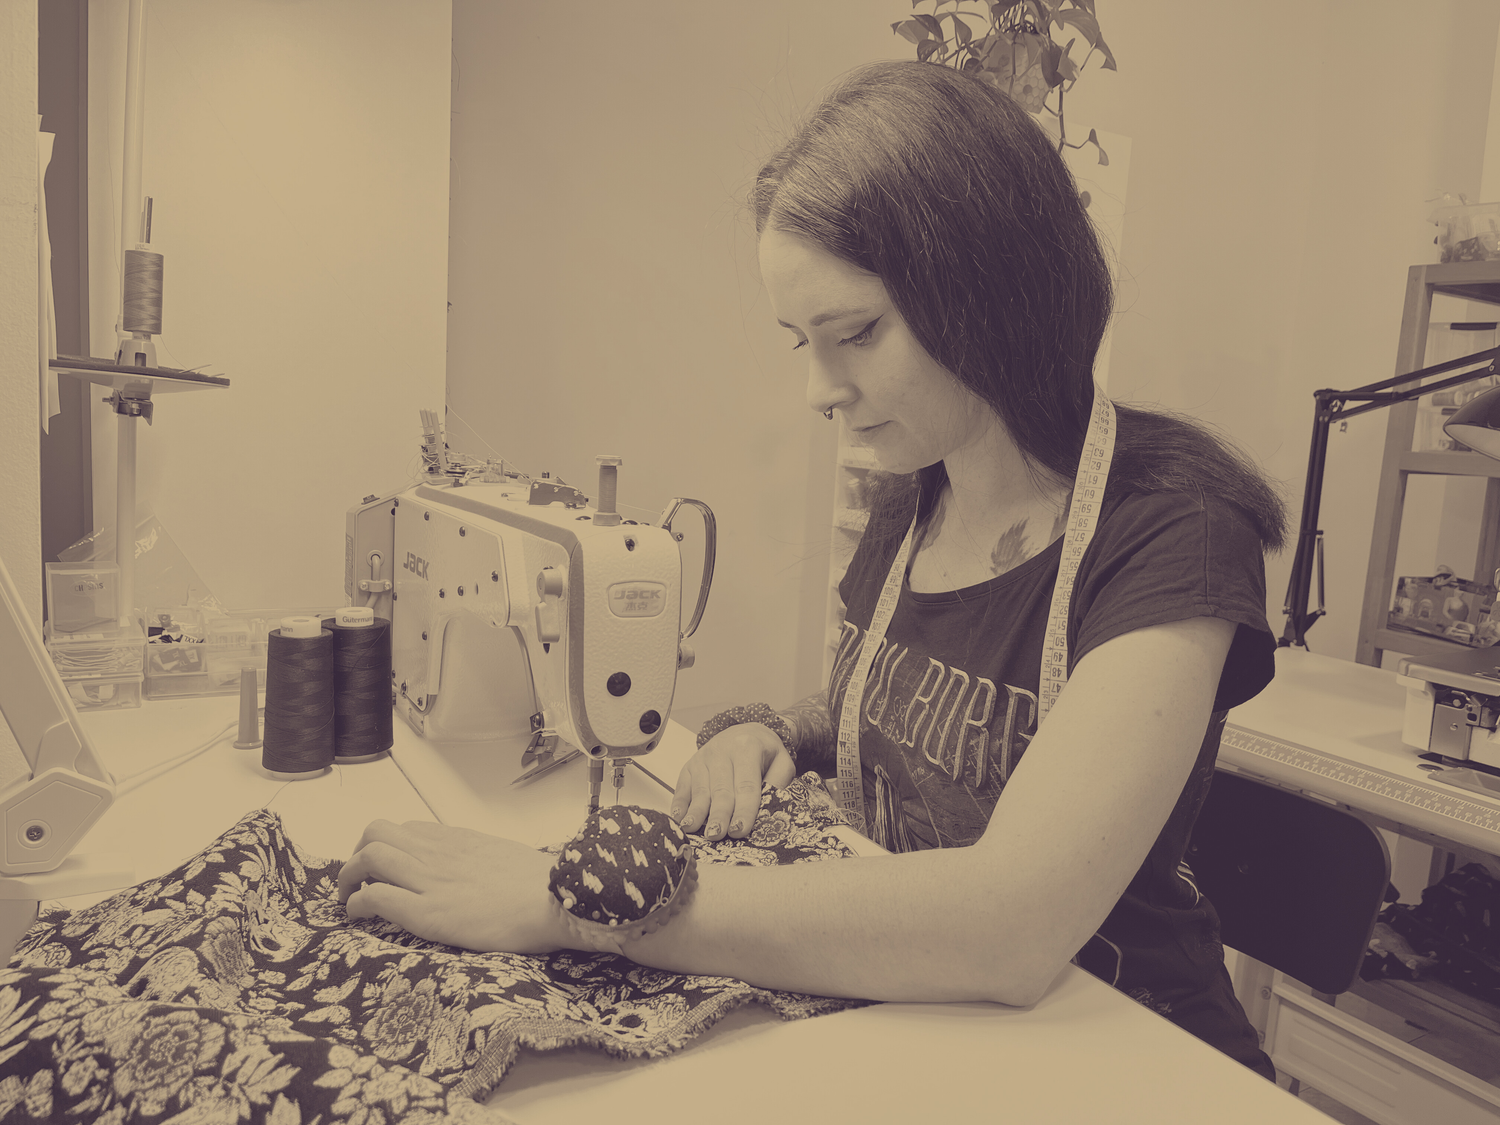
(826, 390)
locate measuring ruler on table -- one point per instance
(1477, 818)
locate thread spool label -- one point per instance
(356, 617)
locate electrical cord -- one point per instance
(150, 773)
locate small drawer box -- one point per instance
(111, 651)
(221, 682)
(104, 693)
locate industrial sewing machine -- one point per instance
(1452, 704)
(518, 611)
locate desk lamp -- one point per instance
(1476, 425)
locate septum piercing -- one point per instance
(828, 414)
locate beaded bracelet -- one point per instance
(751, 713)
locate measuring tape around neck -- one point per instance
(1083, 517)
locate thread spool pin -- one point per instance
(605, 514)
(249, 735)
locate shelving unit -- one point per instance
(1425, 1035)
(1470, 281)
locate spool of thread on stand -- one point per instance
(362, 685)
(299, 700)
(143, 279)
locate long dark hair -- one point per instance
(956, 199)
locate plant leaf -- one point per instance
(1094, 138)
(927, 48)
(1086, 24)
(931, 23)
(961, 30)
(1109, 58)
(1066, 67)
(1048, 59)
(1085, 199)
(1038, 47)
(910, 30)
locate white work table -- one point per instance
(1085, 1052)
(1332, 730)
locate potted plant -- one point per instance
(1017, 46)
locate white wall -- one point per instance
(297, 155)
(1281, 153)
(605, 293)
(606, 300)
(21, 498)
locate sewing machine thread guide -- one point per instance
(1382, 784)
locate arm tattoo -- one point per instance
(812, 723)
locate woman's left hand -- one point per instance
(455, 886)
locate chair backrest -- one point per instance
(1297, 884)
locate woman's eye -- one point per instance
(859, 339)
(799, 344)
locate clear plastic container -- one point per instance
(82, 597)
(114, 650)
(209, 649)
(1468, 232)
(104, 693)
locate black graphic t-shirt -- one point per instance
(950, 707)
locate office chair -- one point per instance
(1297, 885)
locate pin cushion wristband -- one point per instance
(751, 713)
(624, 875)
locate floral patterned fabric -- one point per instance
(236, 989)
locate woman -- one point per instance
(926, 248)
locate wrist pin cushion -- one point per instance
(623, 875)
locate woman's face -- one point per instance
(863, 360)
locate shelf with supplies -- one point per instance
(1412, 431)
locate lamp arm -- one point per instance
(1330, 406)
(1298, 619)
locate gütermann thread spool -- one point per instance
(299, 724)
(362, 685)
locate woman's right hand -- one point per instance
(719, 789)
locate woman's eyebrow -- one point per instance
(825, 317)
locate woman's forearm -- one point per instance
(813, 727)
(879, 928)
